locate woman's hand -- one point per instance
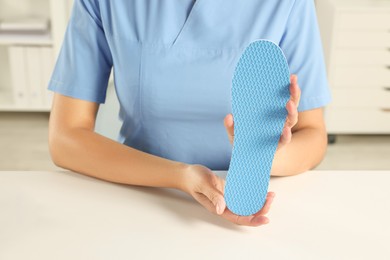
(208, 189)
(291, 120)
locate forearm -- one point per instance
(89, 153)
(306, 150)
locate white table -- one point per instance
(316, 215)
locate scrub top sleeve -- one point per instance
(84, 64)
(302, 46)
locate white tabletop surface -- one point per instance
(315, 215)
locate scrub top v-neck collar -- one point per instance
(191, 16)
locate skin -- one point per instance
(75, 146)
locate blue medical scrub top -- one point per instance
(173, 62)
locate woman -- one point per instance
(173, 61)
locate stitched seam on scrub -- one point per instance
(140, 85)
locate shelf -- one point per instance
(7, 105)
(14, 15)
(25, 39)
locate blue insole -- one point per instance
(260, 92)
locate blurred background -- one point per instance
(356, 41)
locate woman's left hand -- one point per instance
(291, 120)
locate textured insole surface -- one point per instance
(260, 91)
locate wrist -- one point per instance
(181, 181)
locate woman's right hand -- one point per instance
(208, 189)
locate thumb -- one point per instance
(216, 198)
(229, 125)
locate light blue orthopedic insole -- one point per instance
(260, 92)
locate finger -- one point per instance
(245, 220)
(229, 125)
(267, 204)
(295, 91)
(293, 79)
(215, 197)
(220, 185)
(292, 114)
(294, 88)
(286, 136)
(205, 202)
(253, 220)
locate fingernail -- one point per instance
(262, 220)
(218, 207)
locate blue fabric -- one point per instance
(173, 63)
(260, 92)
